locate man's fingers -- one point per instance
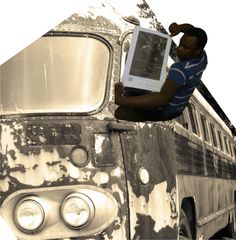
(173, 29)
(174, 34)
(173, 26)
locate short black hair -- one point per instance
(200, 34)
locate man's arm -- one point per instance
(147, 101)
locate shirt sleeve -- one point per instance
(176, 73)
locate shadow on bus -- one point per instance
(220, 238)
(221, 235)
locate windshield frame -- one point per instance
(105, 100)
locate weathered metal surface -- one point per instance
(36, 155)
(153, 212)
(213, 201)
(207, 176)
(39, 157)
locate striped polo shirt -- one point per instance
(187, 74)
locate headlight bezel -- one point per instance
(41, 206)
(87, 202)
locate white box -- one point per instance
(147, 60)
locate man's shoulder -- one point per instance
(178, 65)
(177, 73)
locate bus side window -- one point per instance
(204, 128)
(230, 149)
(193, 118)
(212, 128)
(226, 145)
(234, 150)
(220, 140)
(182, 120)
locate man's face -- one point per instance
(187, 47)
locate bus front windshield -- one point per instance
(55, 74)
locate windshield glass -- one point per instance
(55, 74)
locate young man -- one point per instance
(182, 79)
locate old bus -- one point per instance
(71, 170)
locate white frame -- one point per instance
(141, 82)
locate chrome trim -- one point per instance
(87, 200)
(41, 204)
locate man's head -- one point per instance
(192, 43)
(200, 34)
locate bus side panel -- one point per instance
(213, 197)
(35, 154)
(152, 204)
(205, 177)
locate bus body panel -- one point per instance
(39, 157)
(213, 201)
(206, 178)
(153, 212)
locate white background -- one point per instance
(23, 21)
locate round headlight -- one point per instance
(77, 210)
(29, 214)
(79, 156)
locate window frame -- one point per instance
(205, 128)
(230, 149)
(193, 117)
(213, 135)
(183, 120)
(220, 140)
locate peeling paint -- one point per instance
(201, 237)
(4, 184)
(159, 207)
(164, 208)
(115, 188)
(41, 165)
(6, 141)
(118, 233)
(116, 172)
(98, 143)
(101, 178)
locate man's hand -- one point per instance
(175, 28)
(118, 92)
